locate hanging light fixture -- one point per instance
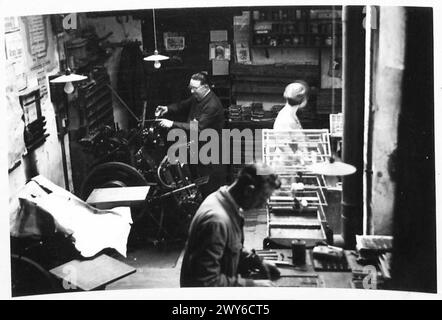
(155, 57)
(68, 78)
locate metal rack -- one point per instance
(291, 152)
(95, 99)
(296, 213)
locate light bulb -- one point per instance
(69, 87)
(157, 64)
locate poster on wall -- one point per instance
(335, 67)
(241, 25)
(37, 41)
(242, 52)
(12, 24)
(173, 41)
(15, 57)
(37, 36)
(16, 144)
(219, 51)
(336, 125)
(42, 84)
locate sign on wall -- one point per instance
(173, 42)
(30, 55)
(37, 36)
(12, 24)
(15, 53)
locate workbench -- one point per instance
(307, 276)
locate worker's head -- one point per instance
(297, 93)
(255, 184)
(199, 84)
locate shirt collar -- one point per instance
(225, 192)
(293, 109)
(208, 93)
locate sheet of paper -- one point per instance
(92, 229)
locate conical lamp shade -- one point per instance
(332, 169)
(68, 77)
(156, 57)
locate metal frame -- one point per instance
(304, 147)
(290, 153)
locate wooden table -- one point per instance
(91, 274)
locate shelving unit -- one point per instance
(222, 87)
(308, 34)
(95, 100)
(270, 79)
(295, 28)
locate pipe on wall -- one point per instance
(353, 110)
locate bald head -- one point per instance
(296, 92)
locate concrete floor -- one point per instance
(156, 268)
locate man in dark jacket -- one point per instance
(204, 107)
(214, 252)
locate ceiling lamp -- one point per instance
(68, 78)
(332, 168)
(155, 57)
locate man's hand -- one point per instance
(160, 111)
(271, 270)
(166, 123)
(263, 283)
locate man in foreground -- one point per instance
(214, 253)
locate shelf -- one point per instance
(273, 70)
(240, 124)
(282, 22)
(291, 33)
(338, 19)
(318, 34)
(290, 46)
(304, 20)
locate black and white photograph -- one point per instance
(141, 164)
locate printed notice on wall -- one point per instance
(241, 25)
(16, 145)
(12, 24)
(37, 39)
(42, 84)
(15, 57)
(242, 52)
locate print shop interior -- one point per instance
(84, 139)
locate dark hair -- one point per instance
(258, 174)
(299, 98)
(202, 76)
